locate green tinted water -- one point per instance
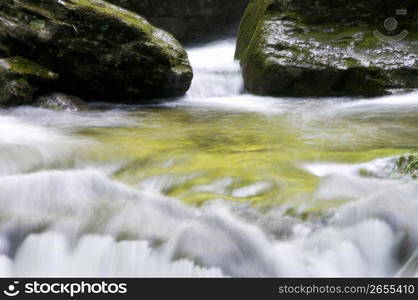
(197, 154)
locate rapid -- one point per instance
(216, 183)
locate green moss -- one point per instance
(365, 173)
(38, 23)
(20, 79)
(37, 10)
(99, 50)
(27, 68)
(15, 92)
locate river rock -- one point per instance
(190, 20)
(59, 101)
(329, 47)
(407, 165)
(101, 52)
(20, 79)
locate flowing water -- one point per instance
(217, 183)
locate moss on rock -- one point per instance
(102, 52)
(408, 165)
(58, 101)
(15, 92)
(323, 48)
(253, 16)
(26, 68)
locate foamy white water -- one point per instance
(216, 73)
(65, 211)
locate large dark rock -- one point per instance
(20, 79)
(329, 47)
(190, 20)
(100, 51)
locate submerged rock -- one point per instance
(58, 101)
(329, 47)
(190, 20)
(20, 79)
(100, 51)
(408, 165)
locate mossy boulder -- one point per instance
(190, 20)
(329, 47)
(20, 79)
(58, 101)
(100, 51)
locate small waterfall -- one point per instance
(216, 74)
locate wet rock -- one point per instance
(58, 101)
(399, 167)
(100, 51)
(329, 48)
(190, 20)
(20, 79)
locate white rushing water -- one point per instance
(63, 213)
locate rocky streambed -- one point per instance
(209, 180)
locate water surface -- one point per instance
(217, 183)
